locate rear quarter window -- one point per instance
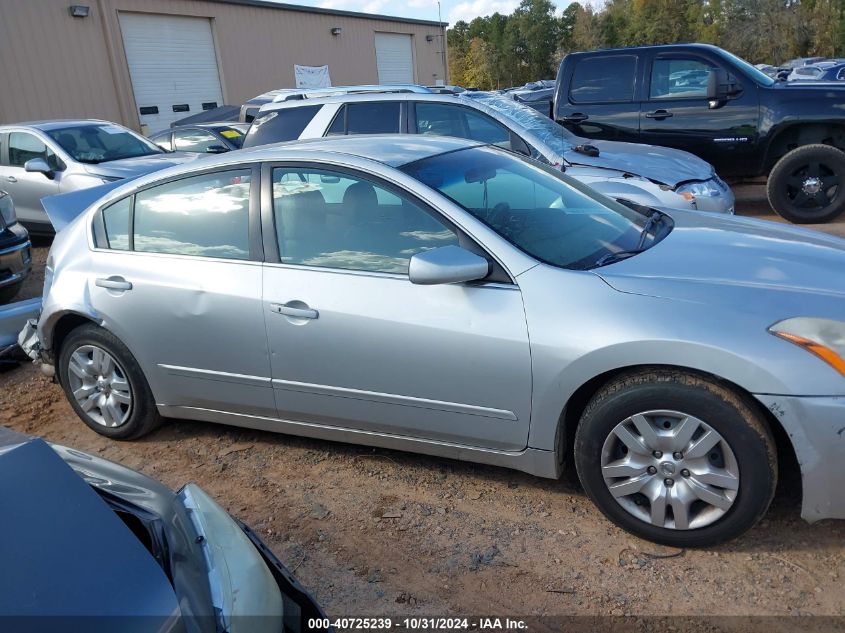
(279, 125)
(604, 79)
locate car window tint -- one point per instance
(602, 79)
(206, 216)
(679, 78)
(450, 120)
(338, 126)
(326, 219)
(280, 125)
(163, 141)
(194, 140)
(116, 220)
(24, 147)
(380, 117)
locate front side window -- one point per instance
(443, 119)
(608, 78)
(334, 220)
(679, 78)
(540, 211)
(101, 142)
(197, 141)
(24, 147)
(205, 216)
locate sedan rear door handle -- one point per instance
(113, 283)
(296, 312)
(658, 114)
(576, 117)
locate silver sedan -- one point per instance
(440, 296)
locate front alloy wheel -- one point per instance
(670, 469)
(675, 457)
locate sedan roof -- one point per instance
(53, 124)
(393, 150)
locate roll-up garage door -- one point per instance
(173, 66)
(394, 58)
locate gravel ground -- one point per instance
(375, 532)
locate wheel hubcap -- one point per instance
(99, 386)
(670, 469)
(814, 186)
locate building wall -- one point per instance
(55, 66)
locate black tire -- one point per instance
(792, 184)
(736, 419)
(143, 416)
(8, 293)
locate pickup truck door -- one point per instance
(597, 96)
(675, 111)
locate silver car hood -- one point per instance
(133, 167)
(661, 164)
(750, 265)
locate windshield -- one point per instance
(755, 73)
(537, 209)
(556, 137)
(101, 142)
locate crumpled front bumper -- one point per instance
(816, 427)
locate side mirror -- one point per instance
(39, 166)
(447, 265)
(216, 149)
(721, 85)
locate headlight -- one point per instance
(701, 189)
(823, 337)
(240, 581)
(7, 210)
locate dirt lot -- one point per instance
(379, 532)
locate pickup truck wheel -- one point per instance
(808, 184)
(675, 458)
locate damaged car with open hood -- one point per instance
(90, 545)
(447, 297)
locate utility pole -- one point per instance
(443, 45)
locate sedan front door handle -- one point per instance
(113, 283)
(294, 310)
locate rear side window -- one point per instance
(443, 119)
(116, 220)
(379, 117)
(604, 79)
(205, 216)
(280, 125)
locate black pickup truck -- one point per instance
(707, 101)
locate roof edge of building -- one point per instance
(268, 4)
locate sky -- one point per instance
(451, 10)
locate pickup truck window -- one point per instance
(603, 79)
(679, 78)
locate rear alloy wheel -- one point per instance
(676, 458)
(104, 384)
(807, 185)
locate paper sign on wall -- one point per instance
(312, 76)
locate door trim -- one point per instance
(390, 398)
(220, 376)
